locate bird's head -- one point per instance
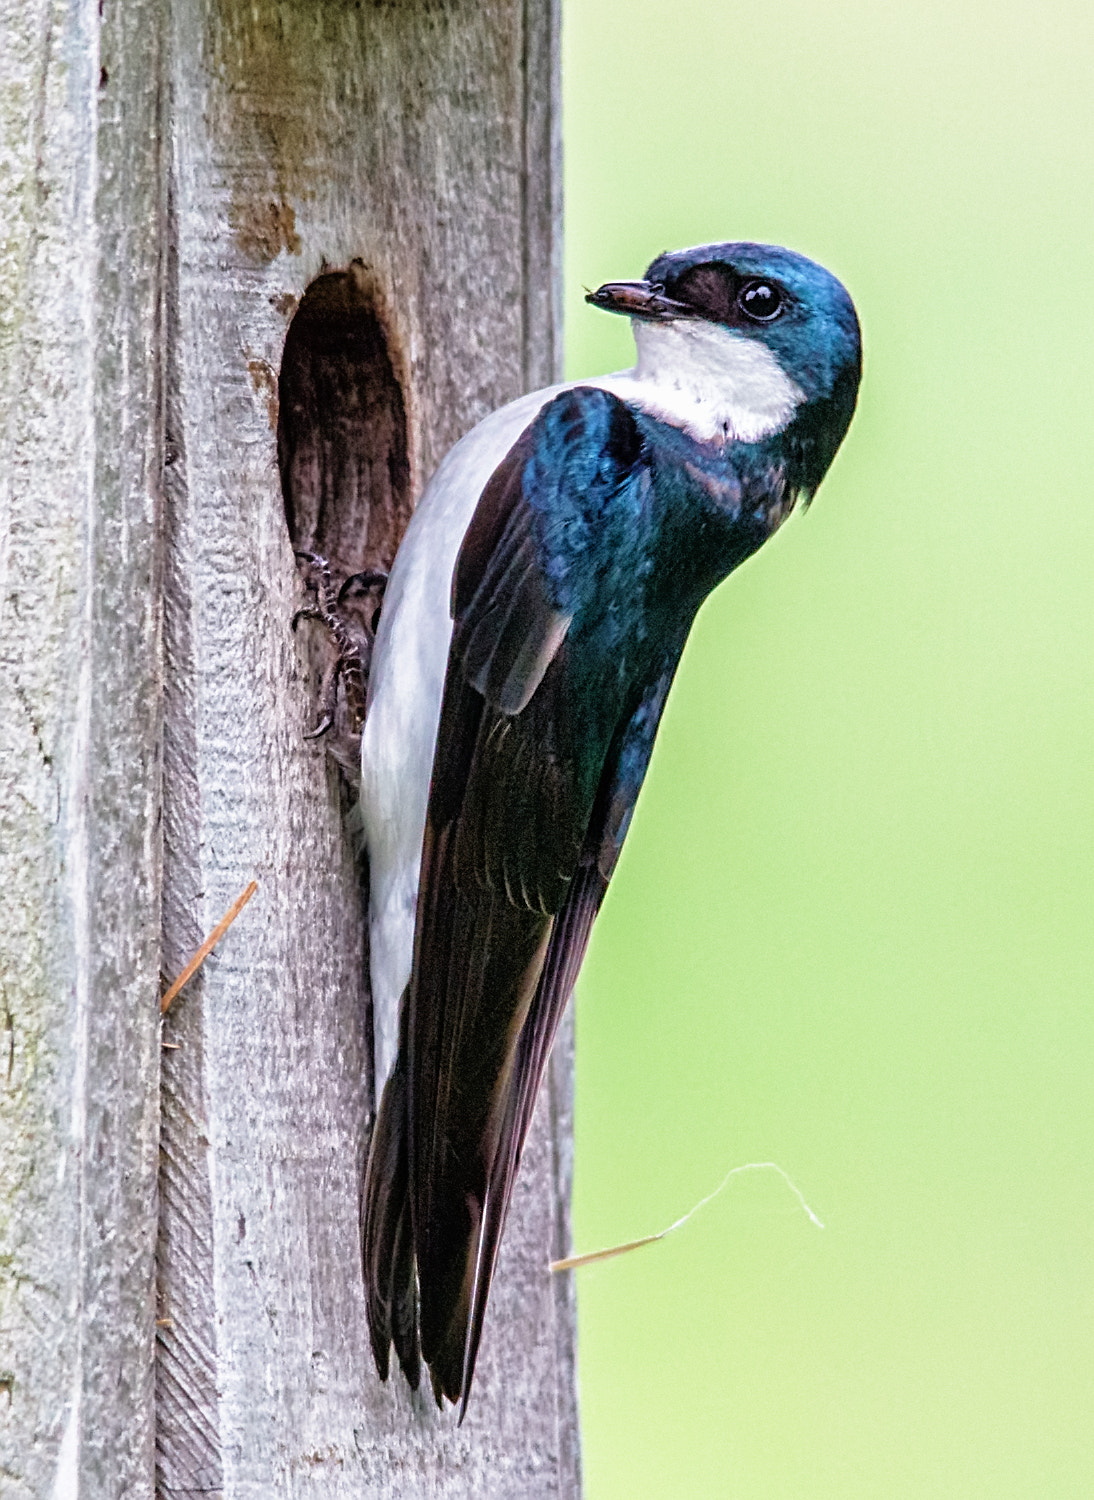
(774, 330)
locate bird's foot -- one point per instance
(353, 631)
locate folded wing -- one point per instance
(533, 781)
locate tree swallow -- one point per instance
(531, 628)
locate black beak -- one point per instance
(638, 299)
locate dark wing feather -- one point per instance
(507, 628)
(623, 776)
(492, 878)
(387, 1238)
(511, 879)
(515, 637)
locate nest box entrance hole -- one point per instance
(342, 448)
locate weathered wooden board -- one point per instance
(172, 180)
(414, 139)
(81, 216)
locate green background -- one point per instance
(851, 930)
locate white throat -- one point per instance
(717, 384)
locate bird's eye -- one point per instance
(760, 301)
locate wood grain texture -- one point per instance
(419, 140)
(172, 179)
(81, 201)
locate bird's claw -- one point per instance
(321, 728)
(364, 583)
(352, 661)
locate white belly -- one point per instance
(406, 684)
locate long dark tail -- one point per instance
(387, 1240)
(470, 1215)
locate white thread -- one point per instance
(572, 1262)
